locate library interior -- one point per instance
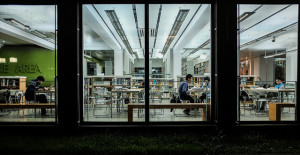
(180, 62)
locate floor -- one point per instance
(26, 115)
(102, 114)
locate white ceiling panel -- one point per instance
(38, 17)
(280, 20)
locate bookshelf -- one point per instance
(197, 80)
(201, 68)
(164, 85)
(13, 82)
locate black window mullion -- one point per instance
(147, 64)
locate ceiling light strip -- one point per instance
(246, 15)
(136, 23)
(118, 27)
(187, 25)
(269, 35)
(199, 48)
(175, 28)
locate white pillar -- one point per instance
(291, 66)
(126, 61)
(176, 59)
(118, 63)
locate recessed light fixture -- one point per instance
(2, 60)
(38, 33)
(17, 23)
(13, 59)
(3, 41)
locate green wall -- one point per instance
(41, 61)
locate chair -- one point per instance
(15, 96)
(100, 100)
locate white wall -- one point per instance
(291, 66)
(255, 67)
(99, 69)
(118, 63)
(84, 67)
(126, 61)
(266, 69)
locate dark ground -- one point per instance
(141, 140)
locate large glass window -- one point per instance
(27, 63)
(267, 48)
(113, 62)
(179, 47)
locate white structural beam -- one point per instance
(195, 26)
(23, 35)
(91, 18)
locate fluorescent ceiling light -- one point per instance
(270, 35)
(160, 55)
(200, 47)
(2, 60)
(17, 23)
(118, 27)
(13, 59)
(274, 54)
(244, 16)
(175, 28)
(38, 33)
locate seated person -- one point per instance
(183, 92)
(34, 86)
(206, 86)
(279, 85)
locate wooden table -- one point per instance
(44, 92)
(274, 90)
(205, 108)
(121, 91)
(275, 110)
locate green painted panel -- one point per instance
(33, 61)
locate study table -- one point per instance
(119, 93)
(50, 92)
(273, 90)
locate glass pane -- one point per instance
(179, 45)
(268, 51)
(27, 51)
(113, 62)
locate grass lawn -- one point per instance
(112, 142)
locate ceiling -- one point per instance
(37, 17)
(256, 31)
(265, 20)
(196, 24)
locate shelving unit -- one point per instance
(164, 85)
(13, 82)
(187, 67)
(198, 80)
(136, 81)
(248, 80)
(201, 68)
